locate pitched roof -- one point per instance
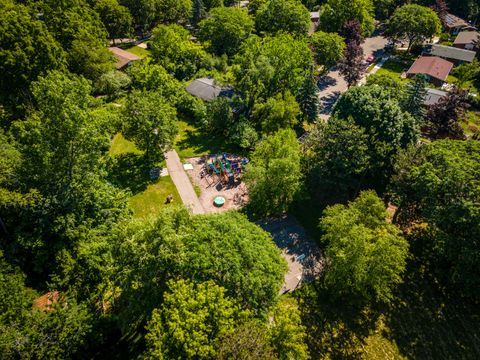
(431, 65)
(454, 21)
(45, 301)
(314, 15)
(205, 89)
(123, 57)
(466, 37)
(433, 96)
(451, 52)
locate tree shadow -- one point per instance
(325, 82)
(328, 102)
(427, 323)
(129, 171)
(334, 327)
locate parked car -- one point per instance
(371, 59)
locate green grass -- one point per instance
(151, 201)
(140, 52)
(128, 170)
(191, 142)
(394, 68)
(471, 123)
(120, 145)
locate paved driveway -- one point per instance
(333, 85)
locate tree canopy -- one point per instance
(336, 13)
(283, 15)
(366, 256)
(414, 23)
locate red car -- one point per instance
(371, 59)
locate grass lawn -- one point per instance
(191, 142)
(128, 170)
(152, 199)
(394, 68)
(141, 52)
(471, 123)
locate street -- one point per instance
(333, 85)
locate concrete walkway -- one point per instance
(182, 182)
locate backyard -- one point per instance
(128, 170)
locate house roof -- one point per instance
(45, 301)
(314, 15)
(433, 96)
(123, 57)
(453, 21)
(205, 89)
(451, 52)
(466, 37)
(433, 66)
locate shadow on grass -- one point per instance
(335, 330)
(129, 171)
(426, 323)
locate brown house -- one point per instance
(467, 40)
(46, 301)
(124, 58)
(436, 69)
(453, 24)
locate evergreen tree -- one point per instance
(198, 11)
(307, 98)
(415, 97)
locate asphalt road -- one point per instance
(333, 85)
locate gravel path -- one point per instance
(182, 182)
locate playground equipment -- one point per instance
(219, 201)
(226, 167)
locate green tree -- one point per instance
(154, 77)
(116, 18)
(172, 11)
(415, 95)
(219, 117)
(395, 86)
(198, 11)
(269, 65)
(150, 122)
(388, 127)
(365, 255)
(173, 49)
(273, 175)
(255, 5)
(228, 249)
(338, 160)
(413, 22)
(225, 29)
(283, 15)
(336, 13)
(328, 49)
(143, 13)
(279, 112)
(287, 333)
(27, 51)
(438, 188)
(112, 83)
(191, 321)
(307, 98)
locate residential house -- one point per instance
(314, 18)
(453, 54)
(436, 69)
(453, 24)
(124, 58)
(433, 97)
(207, 90)
(467, 40)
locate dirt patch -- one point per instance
(212, 185)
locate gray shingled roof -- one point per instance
(450, 52)
(466, 37)
(205, 89)
(433, 96)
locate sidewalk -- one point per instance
(182, 182)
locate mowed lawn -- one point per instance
(394, 68)
(129, 171)
(140, 52)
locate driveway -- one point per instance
(333, 85)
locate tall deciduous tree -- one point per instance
(173, 49)
(173, 10)
(328, 49)
(283, 15)
(351, 67)
(117, 18)
(150, 123)
(225, 29)
(191, 321)
(443, 117)
(27, 50)
(438, 187)
(336, 13)
(414, 23)
(366, 256)
(273, 175)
